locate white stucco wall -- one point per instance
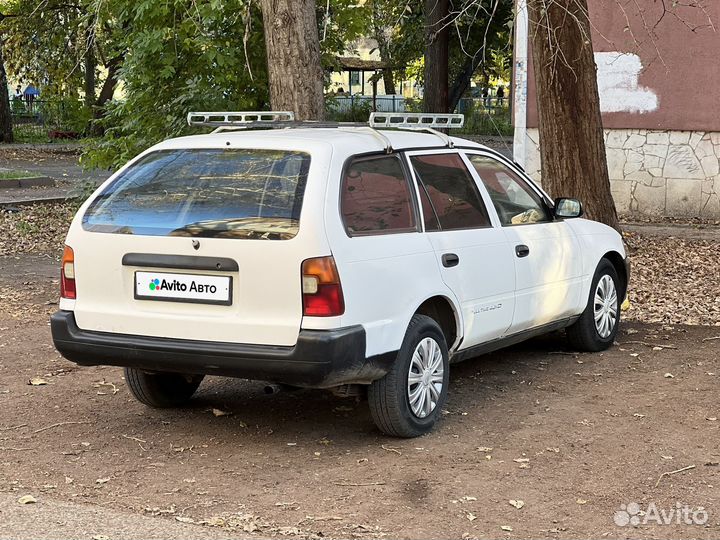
(655, 173)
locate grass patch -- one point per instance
(14, 175)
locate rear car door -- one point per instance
(474, 257)
(548, 267)
(201, 244)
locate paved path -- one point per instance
(677, 230)
(49, 518)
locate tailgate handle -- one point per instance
(450, 259)
(183, 262)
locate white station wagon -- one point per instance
(350, 258)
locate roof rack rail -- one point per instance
(223, 121)
(416, 120)
(238, 119)
(419, 122)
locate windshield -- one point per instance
(205, 192)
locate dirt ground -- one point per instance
(571, 436)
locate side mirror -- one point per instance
(568, 208)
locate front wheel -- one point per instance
(597, 327)
(409, 399)
(161, 390)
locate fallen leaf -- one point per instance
(517, 503)
(669, 376)
(27, 499)
(507, 528)
(183, 519)
(638, 415)
(220, 412)
(470, 516)
(657, 348)
(581, 501)
(521, 460)
(102, 480)
(37, 381)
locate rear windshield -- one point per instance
(220, 193)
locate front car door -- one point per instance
(474, 258)
(548, 268)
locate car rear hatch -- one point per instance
(199, 244)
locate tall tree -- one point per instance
(572, 146)
(436, 56)
(293, 57)
(6, 132)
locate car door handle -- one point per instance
(450, 259)
(522, 250)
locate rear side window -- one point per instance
(376, 197)
(254, 194)
(452, 192)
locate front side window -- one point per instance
(455, 199)
(376, 197)
(515, 201)
(255, 194)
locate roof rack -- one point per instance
(238, 119)
(416, 120)
(224, 121)
(419, 122)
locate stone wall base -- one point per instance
(653, 172)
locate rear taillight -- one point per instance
(322, 292)
(67, 274)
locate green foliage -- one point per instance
(66, 114)
(182, 56)
(359, 111)
(480, 120)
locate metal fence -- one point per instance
(36, 120)
(483, 116)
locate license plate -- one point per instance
(193, 288)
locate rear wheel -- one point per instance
(409, 399)
(161, 390)
(597, 327)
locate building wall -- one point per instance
(656, 172)
(660, 99)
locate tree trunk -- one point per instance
(462, 82)
(572, 146)
(293, 57)
(436, 56)
(384, 50)
(90, 65)
(106, 94)
(6, 131)
(108, 88)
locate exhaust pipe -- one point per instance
(272, 389)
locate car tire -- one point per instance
(161, 390)
(402, 407)
(597, 327)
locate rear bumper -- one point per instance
(319, 359)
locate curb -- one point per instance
(34, 200)
(27, 182)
